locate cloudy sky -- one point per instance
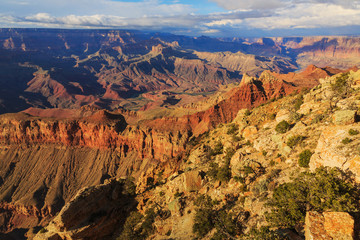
(230, 18)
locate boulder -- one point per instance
(192, 181)
(249, 132)
(283, 115)
(332, 153)
(329, 225)
(343, 117)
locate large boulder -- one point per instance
(329, 225)
(331, 152)
(343, 117)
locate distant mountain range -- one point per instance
(112, 68)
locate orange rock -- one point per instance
(249, 132)
(339, 225)
(278, 160)
(329, 225)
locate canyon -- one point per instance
(84, 111)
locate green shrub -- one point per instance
(264, 233)
(137, 226)
(129, 186)
(340, 85)
(261, 186)
(232, 129)
(298, 102)
(282, 127)
(130, 230)
(208, 218)
(236, 138)
(222, 173)
(247, 112)
(304, 158)
(272, 116)
(248, 143)
(318, 118)
(218, 149)
(326, 189)
(353, 132)
(346, 141)
(294, 140)
(229, 154)
(43, 230)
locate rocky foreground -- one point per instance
(214, 183)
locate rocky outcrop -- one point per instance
(344, 117)
(329, 225)
(94, 213)
(102, 130)
(333, 151)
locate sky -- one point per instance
(217, 18)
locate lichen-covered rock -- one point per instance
(283, 148)
(343, 117)
(331, 152)
(329, 225)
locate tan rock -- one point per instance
(283, 115)
(47, 236)
(192, 181)
(283, 148)
(343, 117)
(332, 153)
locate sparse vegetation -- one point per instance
(129, 186)
(304, 158)
(298, 102)
(264, 233)
(346, 141)
(233, 128)
(272, 116)
(318, 118)
(340, 86)
(294, 140)
(208, 217)
(247, 112)
(138, 226)
(327, 189)
(353, 132)
(218, 149)
(282, 127)
(43, 230)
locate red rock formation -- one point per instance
(250, 93)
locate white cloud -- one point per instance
(93, 7)
(245, 4)
(273, 4)
(180, 18)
